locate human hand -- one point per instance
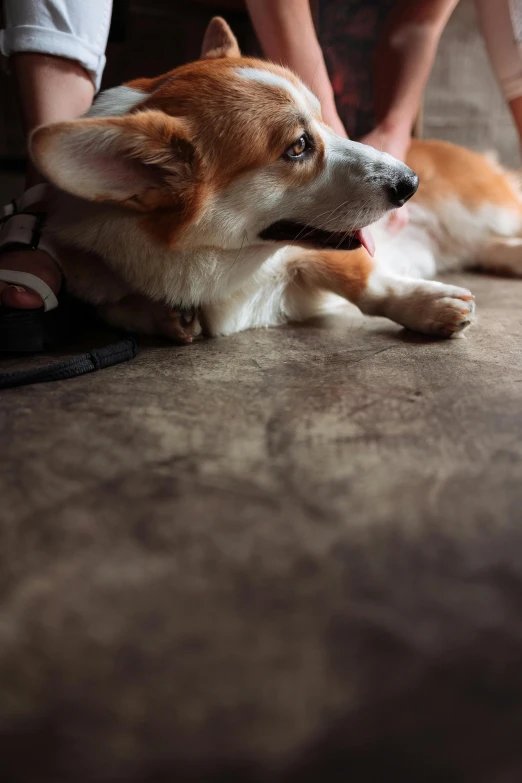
(395, 144)
(398, 219)
(392, 142)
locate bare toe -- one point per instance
(35, 262)
(19, 298)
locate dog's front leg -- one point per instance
(420, 305)
(136, 313)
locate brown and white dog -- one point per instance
(218, 187)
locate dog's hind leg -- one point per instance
(136, 313)
(501, 256)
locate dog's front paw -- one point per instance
(436, 308)
(181, 326)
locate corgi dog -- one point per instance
(217, 189)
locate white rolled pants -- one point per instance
(75, 29)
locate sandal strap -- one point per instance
(34, 283)
(31, 196)
(25, 230)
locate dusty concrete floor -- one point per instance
(288, 556)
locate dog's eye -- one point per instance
(298, 149)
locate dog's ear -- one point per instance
(219, 41)
(141, 161)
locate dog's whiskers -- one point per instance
(331, 216)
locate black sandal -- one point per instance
(26, 331)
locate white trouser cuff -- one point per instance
(29, 38)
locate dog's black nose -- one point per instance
(403, 189)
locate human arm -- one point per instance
(286, 32)
(403, 62)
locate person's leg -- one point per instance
(57, 54)
(501, 25)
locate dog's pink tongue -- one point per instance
(364, 236)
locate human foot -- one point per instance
(34, 262)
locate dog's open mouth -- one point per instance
(289, 231)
